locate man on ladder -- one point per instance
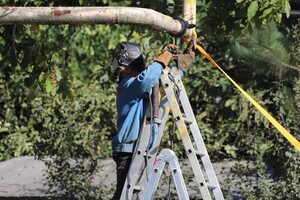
(135, 83)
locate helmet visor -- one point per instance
(116, 67)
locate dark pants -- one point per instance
(123, 161)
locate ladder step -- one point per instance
(147, 155)
(139, 188)
(198, 153)
(156, 120)
(211, 186)
(187, 120)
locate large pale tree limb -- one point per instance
(91, 15)
(189, 13)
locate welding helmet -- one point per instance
(128, 55)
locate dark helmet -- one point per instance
(129, 56)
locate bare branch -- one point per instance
(90, 15)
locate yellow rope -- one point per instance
(275, 123)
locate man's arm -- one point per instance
(147, 78)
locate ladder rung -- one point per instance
(147, 155)
(211, 186)
(198, 153)
(139, 188)
(156, 120)
(187, 120)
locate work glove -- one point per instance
(167, 53)
(189, 54)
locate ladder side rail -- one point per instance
(178, 178)
(185, 136)
(135, 180)
(164, 111)
(138, 160)
(151, 187)
(200, 142)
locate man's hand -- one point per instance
(167, 53)
(199, 41)
(172, 48)
(189, 54)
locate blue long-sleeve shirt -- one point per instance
(132, 103)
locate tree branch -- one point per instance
(90, 15)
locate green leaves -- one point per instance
(55, 83)
(58, 75)
(263, 48)
(231, 150)
(48, 84)
(287, 8)
(266, 12)
(237, 15)
(77, 130)
(252, 10)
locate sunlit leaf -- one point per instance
(58, 73)
(252, 9)
(48, 84)
(287, 8)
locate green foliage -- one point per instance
(73, 136)
(271, 179)
(264, 48)
(239, 14)
(15, 136)
(262, 62)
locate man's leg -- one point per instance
(123, 161)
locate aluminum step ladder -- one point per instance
(176, 101)
(166, 156)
